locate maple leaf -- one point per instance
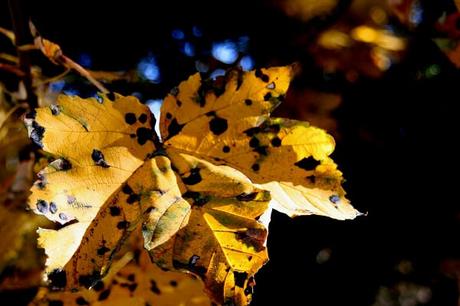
(194, 195)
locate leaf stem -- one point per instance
(19, 18)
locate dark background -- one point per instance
(397, 143)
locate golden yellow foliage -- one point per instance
(193, 196)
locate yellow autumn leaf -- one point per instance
(227, 122)
(192, 195)
(133, 281)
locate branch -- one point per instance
(19, 18)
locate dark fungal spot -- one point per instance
(99, 99)
(104, 295)
(71, 199)
(63, 217)
(178, 103)
(245, 197)
(122, 225)
(31, 115)
(57, 278)
(173, 283)
(248, 102)
(61, 164)
(132, 198)
(144, 134)
(98, 286)
(254, 142)
(174, 128)
(81, 301)
(55, 303)
(53, 207)
(255, 167)
(262, 76)
(89, 280)
(126, 189)
(99, 159)
(307, 163)
(132, 135)
(211, 114)
(218, 125)
(143, 118)
(36, 134)
(198, 198)
(55, 109)
(262, 150)
(252, 131)
(102, 250)
(131, 277)
(174, 91)
(226, 149)
(132, 287)
(42, 206)
(193, 260)
(115, 211)
(168, 116)
(130, 118)
(240, 278)
(276, 141)
(153, 287)
(111, 96)
(267, 96)
(194, 177)
(334, 198)
(311, 178)
(271, 85)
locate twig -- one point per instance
(19, 19)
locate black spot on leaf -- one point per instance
(55, 109)
(168, 116)
(55, 303)
(174, 128)
(115, 211)
(42, 206)
(198, 198)
(126, 189)
(98, 286)
(99, 159)
(143, 118)
(57, 278)
(144, 134)
(254, 142)
(307, 163)
(81, 301)
(226, 149)
(262, 76)
(173, 283)
(194, 177)
(248, 102)
(246, 196)
(36, 134)
(53, 207)
(334, 198)
(193, 260)
(131, 277)
(123, 225)
(218, 125)
(130, 118)
(267, 96)
(132, 198)
(276, 141)
(89, 280)
(104, 295)
(153, 287)
(178, 103)
(102, 250)
(255, 167)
